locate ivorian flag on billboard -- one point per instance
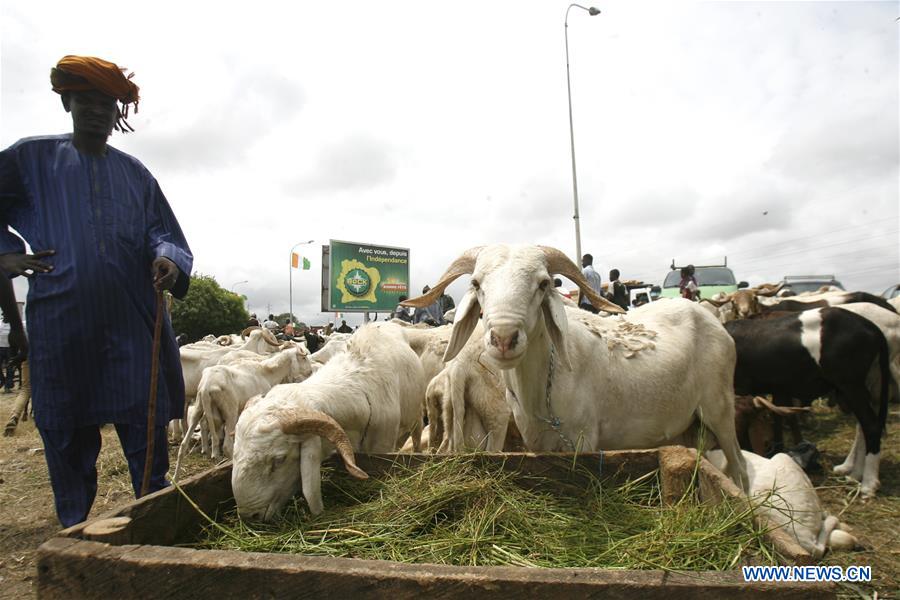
(364, 277)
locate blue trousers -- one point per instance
(72, 461)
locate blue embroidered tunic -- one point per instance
(90, 319)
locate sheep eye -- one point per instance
(475, 284)
(544, 284)
(277, 461)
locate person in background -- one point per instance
(593, 279)
(618, 292)
(253, 321)
(6, 374)
(105, 243)
(288, 330)
(447, 304)
(313, 341)
(688, 284)
(431, 314)
(401, 312)
(329, 328)
(557, 283)
(344, 328)
(271, 324)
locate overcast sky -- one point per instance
(764, 131)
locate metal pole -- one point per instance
(592, 11)
(291, 278)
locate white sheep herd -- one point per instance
(519, 357)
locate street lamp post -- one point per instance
(591, 11)
(235, 284)
(291, 278)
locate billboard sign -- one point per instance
(364, 277)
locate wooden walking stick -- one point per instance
(151, 409)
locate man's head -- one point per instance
(93, 89)
(403, 299)
(271, 317)
(426, 289)
(557, 282)
(586, 260)
(343, 322)
(93, 113)
(614, 274)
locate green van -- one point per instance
(712, 279)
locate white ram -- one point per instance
(367, 399)
(225, 389)
(782, 492)
(579, 382)
(466, 402)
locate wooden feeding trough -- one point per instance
(135, 552)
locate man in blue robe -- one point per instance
(104, 240)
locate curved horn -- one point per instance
(768, 289)
(721, 300)
(247, 331)
(560, 264)
(783, 411)
(224, 340)
(461, 266)
(269, 338)
(299, 421)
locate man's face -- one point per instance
(93, 112)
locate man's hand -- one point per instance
(165, 273)
(16, 263)
(18, 343)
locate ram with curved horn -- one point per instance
(365, 399)
(580, 382)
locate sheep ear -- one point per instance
(557, 325)
(467, 314)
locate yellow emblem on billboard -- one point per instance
(357, 282)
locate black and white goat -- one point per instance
(812, 353)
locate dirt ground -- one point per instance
(27, 517)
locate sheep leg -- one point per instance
(778, 424)
(718, 416)
(849, 464)
(497, 424)
(204, 438)
(229, 417)
(828, 526)
(212, 422)
(184, 447)
(417, 436)
(859, 401)
(434, 411)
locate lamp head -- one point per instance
(593, 11)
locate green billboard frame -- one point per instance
(362, 277)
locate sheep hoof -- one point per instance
(842, 469)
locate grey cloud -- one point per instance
(851, 149)
(354, 163)
(224, 127)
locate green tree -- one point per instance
(208, 308)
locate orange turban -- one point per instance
(83, 73)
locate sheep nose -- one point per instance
(504, 342)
